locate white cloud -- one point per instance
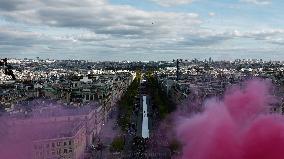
(257, 2)
(272, 36)
(168, 3)
(211, 14)
(100, 27)
(100, 17)
(263, 34)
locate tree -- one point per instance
(117, 144)
(175, 146)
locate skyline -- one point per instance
(142, 30)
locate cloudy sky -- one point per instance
(99, 30)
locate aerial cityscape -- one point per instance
(80, 109)
(141, 79)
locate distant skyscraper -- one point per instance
(178, 61)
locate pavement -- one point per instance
(109, 131)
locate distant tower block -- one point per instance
(178, 61)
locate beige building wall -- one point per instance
(67, 148)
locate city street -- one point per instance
(109, 131)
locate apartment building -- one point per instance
(68, 141)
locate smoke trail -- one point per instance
(240, 126)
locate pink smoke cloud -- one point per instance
(239, 126)
(48, 120)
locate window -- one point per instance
(65, 151)
(65, 143)
(58, 151)
(70, 150)
(70, 142)
(58, 143)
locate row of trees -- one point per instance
(161, 102)
(164, 106)
(117, 144)
(126, 104)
